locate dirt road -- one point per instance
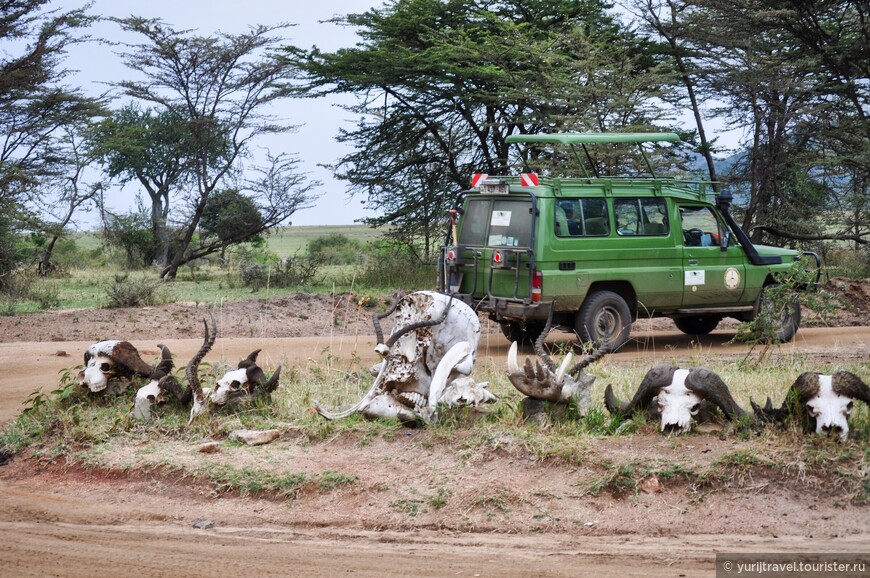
(59, 521)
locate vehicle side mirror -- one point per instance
(726, 240)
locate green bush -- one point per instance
(335, 249)
(389, 265)
(126, 292)
(293, 271)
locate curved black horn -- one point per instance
(539, 342)
(125, 354)
(376, 318)
(612, 403)
(192, 369)
(166, 364)
(710, 386)
(804, 388)
(419, 325)
(600, 352)
(850, 385)
(256, 376)
(655, 379)
(250, 360)
(272, 384)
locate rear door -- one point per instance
(503, 225)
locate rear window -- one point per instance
(496, 223)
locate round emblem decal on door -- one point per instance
(732, 278)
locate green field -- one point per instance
(284, 241)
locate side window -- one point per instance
(581, 218)
(641, 217)
(700, 227)
(474, 223)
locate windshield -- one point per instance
(497, 223)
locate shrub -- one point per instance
(46, 295)
(126, 292)
(335, 249)
(290, 272)
(393, 266)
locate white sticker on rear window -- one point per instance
(500, 219)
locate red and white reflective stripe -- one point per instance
(477, 177)
(537, 285)
(529, 179)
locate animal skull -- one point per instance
(434, 341)
(109, 360)
(823, 402)
(164, 385)
(678, 404)
(680, 394)
(544, 381)
(245, 382)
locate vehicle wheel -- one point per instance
(604, 318)
(522, 333)
(697, 325)
(779, 318)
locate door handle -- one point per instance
(693, 261)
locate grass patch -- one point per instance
(70, 423)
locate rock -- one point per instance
(210, 447)
(651, 485)
(203, 524)
(254, 437)
(61, 353)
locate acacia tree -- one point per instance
(219, 87)
(152, 149)
(63, 193)
(667, 19)
(274, 193)
(788, 72)
(34, 103)
(440, 85)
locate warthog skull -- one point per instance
(434, 341)
(822, 402)
(543, 380)
(109, 360)
(680, 396)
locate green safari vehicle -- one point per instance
(599, 252)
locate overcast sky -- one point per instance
(320, 120)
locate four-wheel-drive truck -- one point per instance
(595, 253)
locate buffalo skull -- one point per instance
(433, 343)
(247, 382)
(107, 361)
(680, 395)
(823, 403)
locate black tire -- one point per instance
(604, 318)
(697, 324)
(785, 318)
(522, 333)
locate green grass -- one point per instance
(286, 241)
(72, 424)
(86, 287)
